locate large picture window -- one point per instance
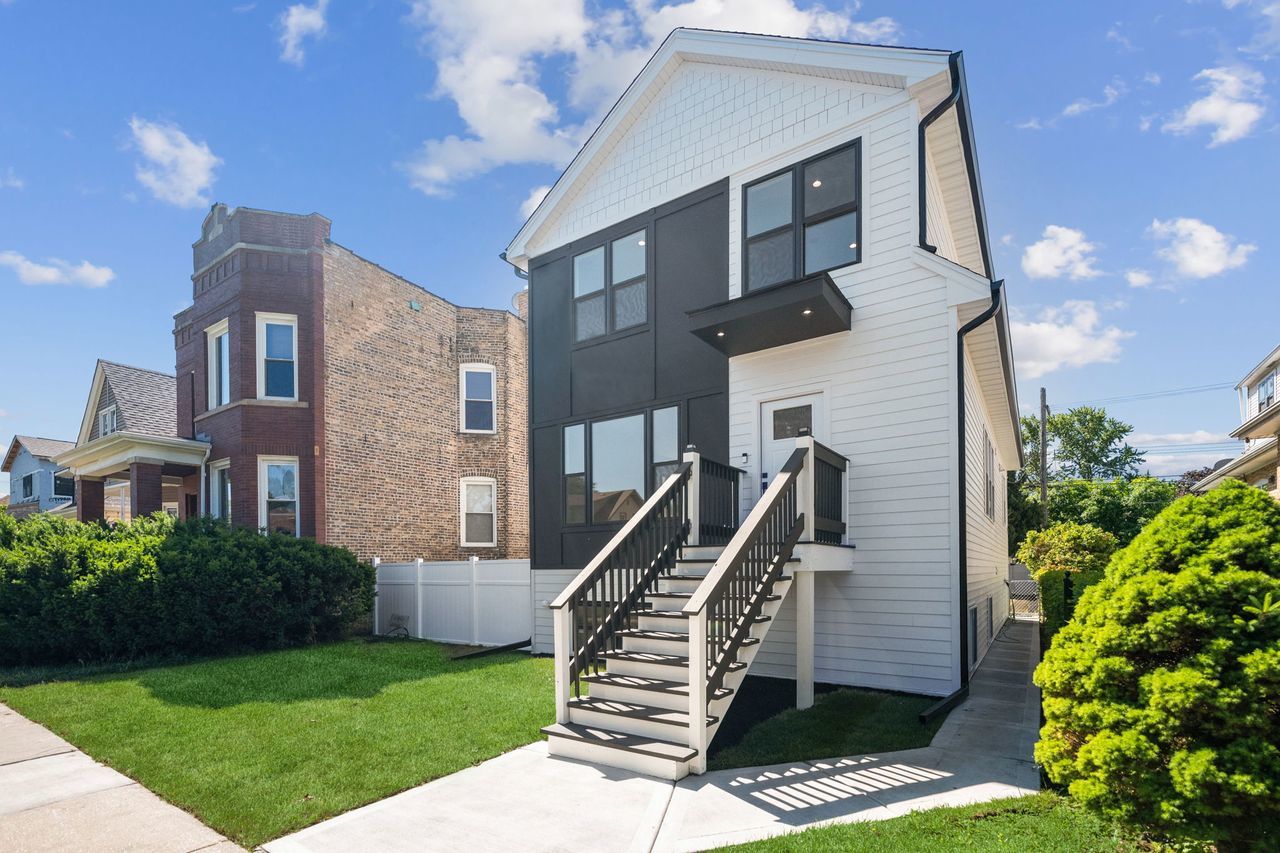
(617, 468)
(278, 494)
(610, 287)
(277, 356)
(804, 220)
(618, 462)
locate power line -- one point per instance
(1152, 395)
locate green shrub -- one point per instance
(1065, 560)
(1162, 694)
(93, 592)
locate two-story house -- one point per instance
(772, 395)
(1259, 465)
(320, 395)
(34, 482)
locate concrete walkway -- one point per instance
(53, 797)
(526, 800)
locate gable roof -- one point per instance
(40, 448)
(872, 65)
(146, 400)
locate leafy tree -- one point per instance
(1121, 507)
(1188, 479)
(1162, 694)
(1090, 445)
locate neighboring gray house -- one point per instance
(33, 486)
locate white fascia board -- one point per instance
(91, 405)
(912, 65)
(1261, 370)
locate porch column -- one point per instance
(90, 501)
(146, 489)
(803, 594)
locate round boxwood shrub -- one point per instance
(1162, 694)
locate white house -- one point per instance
(772, 395)
(1259, 465)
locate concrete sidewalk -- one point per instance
(526, 800)
(53, 797)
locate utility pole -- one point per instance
(1044, 460)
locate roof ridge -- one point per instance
(135, 367)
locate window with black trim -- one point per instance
(610, 287)
(664, 441)
(575, 474)
(610, 465)
(64, 487)
(803, 220)
(28, 486)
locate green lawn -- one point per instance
(261, 745)
(1043, 823)
(841, 722)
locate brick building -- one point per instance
(333, 399)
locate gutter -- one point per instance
(520, 274)
(962, 564)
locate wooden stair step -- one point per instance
(666, 716)
(656, 685)
(641, 634)
(664, 660)
(617, 740)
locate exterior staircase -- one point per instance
(636, 715)
(655, 636)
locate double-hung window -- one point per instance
(479, 512)
(108, 421)
(278, 494)
(218, 338)
(277, 356)
(1267, 392)
(804, 220)
(220, 489)
(610, 289)
(479, 398)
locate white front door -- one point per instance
(780, 424)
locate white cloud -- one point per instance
(1266, 14)
(1138, 278)
(299, 23)
(10, 180)
(530, 204)
(1071, 335)
(1114, 35)
(1111, 93)
(1151, 78)
(1062, 252)
(1232, 105)
(56, 271)
(1030, 124)
(488, 59)
(176, 169)
(1196, 249)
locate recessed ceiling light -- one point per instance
(817, 184)
(806, 312)
(719, 334)
(639, 242)
(853, 245)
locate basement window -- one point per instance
(803, 220)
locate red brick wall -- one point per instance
(394, 453)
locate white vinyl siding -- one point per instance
(988, 543)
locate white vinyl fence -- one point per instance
(477, 602)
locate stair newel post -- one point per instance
(693, 495)
(804, 485)
(698, 690)
(563, 638)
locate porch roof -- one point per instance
(110, 454)
(776, 316)
(1264, 424)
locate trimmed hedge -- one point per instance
(1064, 560)
(1162, 694)
(72, 592)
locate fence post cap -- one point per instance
(691, 448)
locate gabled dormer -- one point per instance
(1259, 412)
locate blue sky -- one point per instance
(1128, 161)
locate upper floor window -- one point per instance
(479, 512)
(108, 421)
(64, 487)
(1267, 392)
(28, 486)
(610, 290)
(218, 337)
(804, 220)
(479, 398)
(277, 356)
(989, 470)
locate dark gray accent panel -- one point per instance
(613, 375)
(549, 336)
(708, 426)
(544, 506)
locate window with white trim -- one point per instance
(1267, 392)
(220, 489)
(278, 494)
(479, 511)
(218, 342)
(479, 398)
(108, 421)
(277, 356)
